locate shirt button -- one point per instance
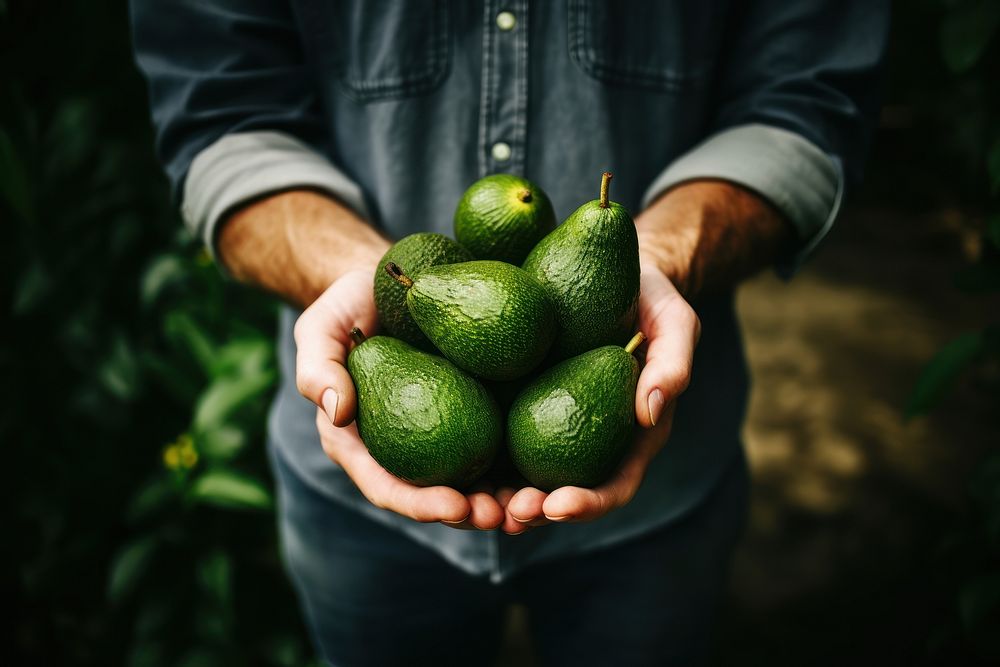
(501, 151)
(506, 21)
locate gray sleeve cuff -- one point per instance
(244, 166)
(798, 178)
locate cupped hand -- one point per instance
(323, 341)
(672, 329)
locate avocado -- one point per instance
(422, 419)
(573, 425)
(416, 251)
(490, 318)
(502, 217)
(589, 266)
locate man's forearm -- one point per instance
(295, 244)
(709, 235)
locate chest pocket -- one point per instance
(665, 46)
(389, 48)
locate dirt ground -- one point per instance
(850, 501)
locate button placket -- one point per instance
(503, 99)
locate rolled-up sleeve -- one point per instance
(234, 106)
(797, 98)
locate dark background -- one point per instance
(134, 381)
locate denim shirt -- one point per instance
(394, 108)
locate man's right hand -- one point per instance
(322, 336)
(313, 251)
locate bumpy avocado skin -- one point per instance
(490, 318)
(590, 268)
(412, 253)
(502, 217)
(573, 425)
(423, 419)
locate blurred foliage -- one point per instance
(135, 381)
(968, 99)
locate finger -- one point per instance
(672, 328)
(524, 511)
(322, 338)
(512, 527)
(526, 505)
(385, 490)
(503, 496)
(573, 503)
(486, 512)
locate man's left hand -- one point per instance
(672, 329)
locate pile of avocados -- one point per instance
(517, 335)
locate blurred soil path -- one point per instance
(849, 500)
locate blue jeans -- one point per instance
(372, 596)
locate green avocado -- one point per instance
(590, 268)
(502, 217)
(422, 419)
(490, 318)
(573, 425)
(417, 251)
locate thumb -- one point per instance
(323, 340)
(672, 328)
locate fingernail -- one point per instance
(564, 517)
(519, 520)
(453, 523)
(654, 403)
(330, 401)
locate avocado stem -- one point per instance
(397, 274)
(635, 342)
(524, 196)
(358, 336)
(605, 183)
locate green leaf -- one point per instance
(942, 371)
(221, 443)
(225, 396)
(215, 575)
(984, 489)
(152, 617)
(244, 356)
(182, 384)
(146, 654)
(230, 490)
(993, 167)
(182, 328)
(15, 184)
(153, 496)
(993, 230)
(32, 288)
(978, 598)
(201, 657)
(120, 372)
(129, 566)
(212, 627)
(163, 272)
(966, 33)
(285, 650)
(979, 278)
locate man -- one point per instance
(303, 136)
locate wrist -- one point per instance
(670, 231)
(297, 243)
(706, 234)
